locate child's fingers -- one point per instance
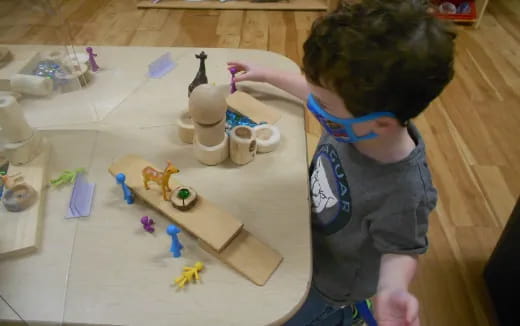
(412, 311)
(236, 63)
(239, 66)
(241, 77)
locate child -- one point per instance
(368, 68)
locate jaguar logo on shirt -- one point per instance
(330, 192)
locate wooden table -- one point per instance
(105, 269)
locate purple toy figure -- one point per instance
(147, 224)
(93, 65)
(233, 71)
(176, 247)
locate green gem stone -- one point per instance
(183, 193)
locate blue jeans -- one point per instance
(315, 311)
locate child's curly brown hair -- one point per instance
(381, 55)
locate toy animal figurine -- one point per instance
(6, 182)
(201, 77)
(161, 178)
(9, 181)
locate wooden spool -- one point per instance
(23, 143)
(78, 74)
(211, 155)
(242, 147)
(210, 135)
(185, 128)
(207, 104)
(181, 203)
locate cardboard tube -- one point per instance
(23, 152)
(12, 120)
(32, 85)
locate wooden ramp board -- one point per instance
(249, 256)
(20, 232)
(206, 221)
(252, 108)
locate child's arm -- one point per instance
(395, 306)
(292, 83)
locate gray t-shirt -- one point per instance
(362, 209)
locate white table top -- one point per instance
(105, 269)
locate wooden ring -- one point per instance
(211, 155)
(267, 137)
(19, 198)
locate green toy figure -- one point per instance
(67, 177)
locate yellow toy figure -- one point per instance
(190, 273)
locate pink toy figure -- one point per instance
(147, 224)
(233, 71)
(91, 60)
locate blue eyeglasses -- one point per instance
(341, 129)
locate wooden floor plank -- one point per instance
(471, 132)
(255, 30)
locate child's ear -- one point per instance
(385, 125)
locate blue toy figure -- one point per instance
(366, 314)
(176, 247)
(128, 196)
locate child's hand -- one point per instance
(250, 72)
(396, 308)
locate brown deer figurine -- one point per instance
(161, 178)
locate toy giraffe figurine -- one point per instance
(201, 77)
(161, 178)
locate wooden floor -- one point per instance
(472, 132)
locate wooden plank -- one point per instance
(241, 5)
(250, 257)
(20, 232)
(252, 108)
(205, 220)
